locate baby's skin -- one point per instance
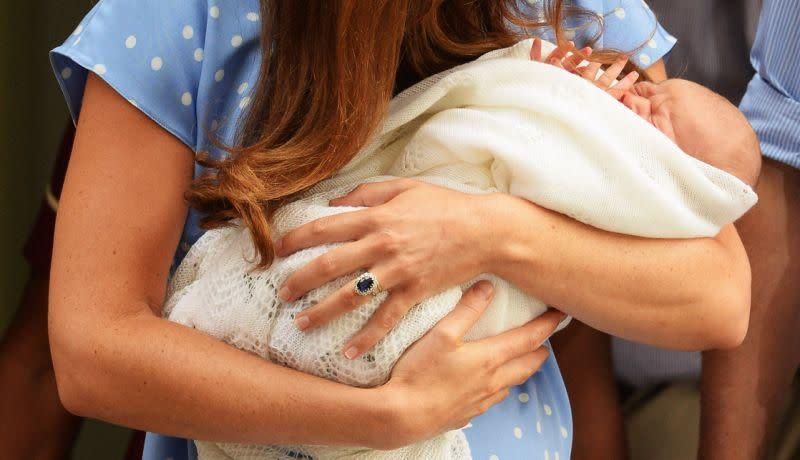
(702, 123)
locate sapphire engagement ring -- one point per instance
(367, 284)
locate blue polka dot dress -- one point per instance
(190, 65)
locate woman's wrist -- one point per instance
(390, 420)
(510, 224)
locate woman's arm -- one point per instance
(119, 222)
(684, 294)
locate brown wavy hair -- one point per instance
(328, 71)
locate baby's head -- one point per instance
(704, 124)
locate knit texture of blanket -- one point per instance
(500, 123)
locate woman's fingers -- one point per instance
(612, 72)
(342, 301)
(335, 305)
(518, 370)
(383, 320)
(492, 400)
(524, 339)
(329, 266)
(469, 309)
(347, 226)
(375, 194)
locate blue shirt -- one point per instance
(190, 66)
(772, 100)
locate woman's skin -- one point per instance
(120, 218)
(743, 390)
(657, 291)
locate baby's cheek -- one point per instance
(664, 124)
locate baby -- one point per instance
(498, 124)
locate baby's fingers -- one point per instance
(573, 61)
(627, 82)
(556, 58)
(612, 72)
(536, 50)
(589, 71)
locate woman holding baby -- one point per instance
(155, 83)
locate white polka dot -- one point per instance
(156, 63)
(78, 30)
(198, 54)
(548, 410)
(186, 98)
(652, 43)
(219, 75)
(244, 102)
(213, 12)
(546, 455)
(524, 397)
(252, 16)
(66, 72)
(564, 432)
(236, 41)
(645, 59)
(130, 42)
(99, 69)
(242, 88)
(619, 12)
(539, 427)
(188, 32)
(494, 457)
(133, 103)
(518, 432)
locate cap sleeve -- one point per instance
(149, 51)
(632, 27)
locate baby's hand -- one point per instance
(607, 81)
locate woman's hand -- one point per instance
(440, 383)
(417, 239)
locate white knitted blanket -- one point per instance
(501, 123)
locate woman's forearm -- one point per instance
(147, 373)
(685, 294)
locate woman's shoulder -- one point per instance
(187, 64)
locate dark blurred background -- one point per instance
(32, 121)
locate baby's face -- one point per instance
(702, 123)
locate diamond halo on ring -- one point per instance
(367, 284)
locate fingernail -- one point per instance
(302, 322)
(485, 289)
(351, 353)
(285, 294)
